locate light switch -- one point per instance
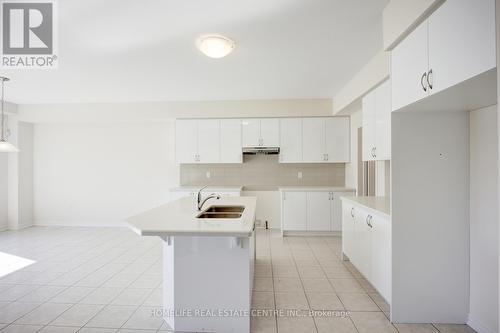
(299, 175)
(208, 174)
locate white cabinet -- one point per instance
(319, 211)
(461, 41)
(338, 139)
(314, 211)
(230, 141)
(260, 132)
(456, 43)
(208, 141)
(290, 140)
(314, 140)
(380, 249)
(326, 140)
(270, 132)
(366, 241)
(377, 123)
(293, 211)
(409, 65)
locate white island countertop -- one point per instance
(378, 205)
(178, 218)
(315, 188)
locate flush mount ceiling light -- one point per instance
(5, 146)
(215, 46)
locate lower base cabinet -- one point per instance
(312, 211)
(366, 241)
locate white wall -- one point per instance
(351, 169)
(101, 173)
(484, 220)
(3, 191)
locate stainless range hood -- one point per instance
(261, 150)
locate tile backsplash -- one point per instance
(263, 172)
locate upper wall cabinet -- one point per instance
(456, 43)
(377, 123)
(260, 132)
(315, 140)
(208, 141)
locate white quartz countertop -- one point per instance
(378, 205)
(178, 218)
(315, 188)
(209, 188)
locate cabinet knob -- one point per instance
(424, 76)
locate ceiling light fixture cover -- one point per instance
(215, 46)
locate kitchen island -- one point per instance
(208, 261)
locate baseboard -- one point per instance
(478, 326)
(311, 233)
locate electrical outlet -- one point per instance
(299, 175)
(208, 174)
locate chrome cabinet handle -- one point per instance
(374, 151)
(352, 212)
(369, 221)
(430, 79)
(424, 76)
(326, 156)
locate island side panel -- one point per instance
(208, 274)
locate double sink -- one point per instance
(221, 212)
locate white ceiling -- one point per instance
(124, 50)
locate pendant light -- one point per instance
(5, 146)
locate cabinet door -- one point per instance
(369, 108)
(250, 132)
(381, 256)
(294, 210)
(290, 140)
(362, 244)
(338, 138)
(461, 41)
(313, 140)
(230, 141)
(270, 132)
(348, 230)
(319, 211)
(186, 141)
(383, 121)
(409, 61)
(336, 214)
(208, 141)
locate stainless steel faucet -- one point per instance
(201, 203)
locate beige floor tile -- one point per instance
(311, 272)
(366, 286)
(263, 300)
(291, 300)
(372, 322)
(112, 316)
(416, 328)
(44, 314)
(59, 329)
(450, 328)
(380, 301)
(296, 325)
(324, 301)
(42, 294)
(142, 319)
(263, 325)
(14, 328)
(306, 262)
(132, 296)
(263, 271)
(287, 285)
(263, 284)
(78, 315)
(335, 325)
(285, 271)
(101, 295)
(71, 295)
(317, 285)
(358, 302)
(337, 272)
(346, 286)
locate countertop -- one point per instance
(378, 205)
(316, 188)
(215, 188)
(178, 218)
